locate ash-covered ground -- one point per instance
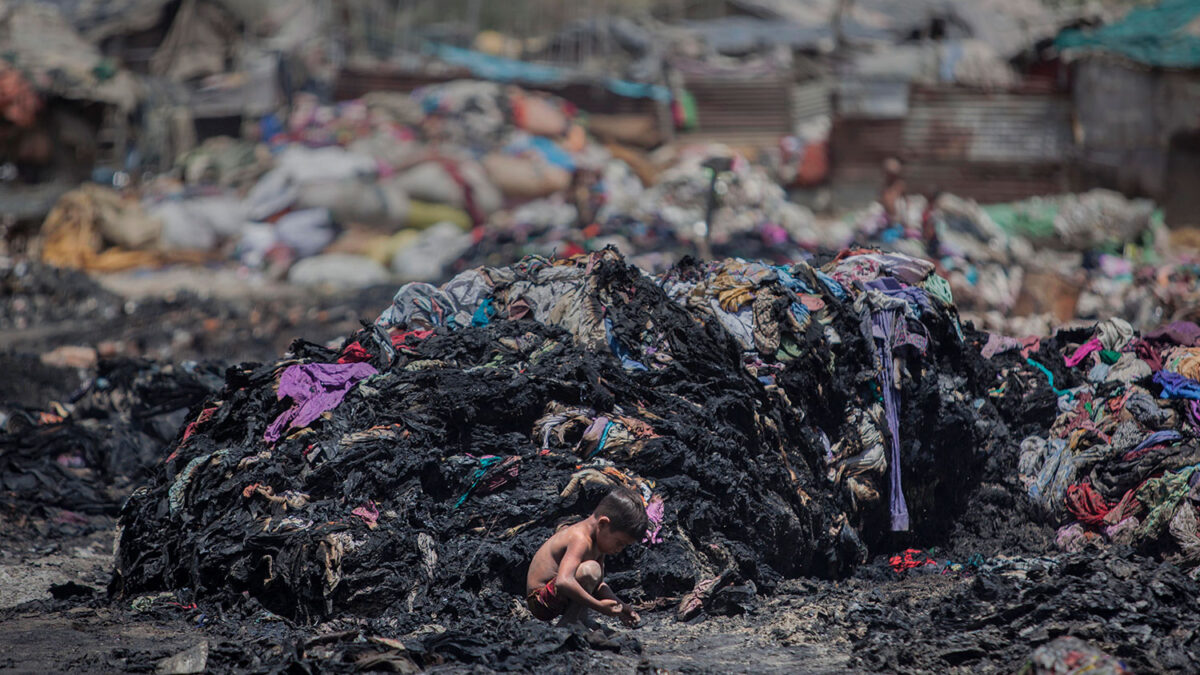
(981, 595)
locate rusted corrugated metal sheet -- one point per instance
(1126, 116)
(975, 126)
(989, 146)
(354, 82)
(810, 100)
(861, 98)
(865, 142)
(759, 106)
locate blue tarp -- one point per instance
(499, 69)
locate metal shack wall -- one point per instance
(741, 110)
(989, 146)
(1126, 116)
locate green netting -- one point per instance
(1032, 218)
(1156, 36)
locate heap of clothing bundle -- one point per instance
(1117, 464)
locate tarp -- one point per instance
(500, 69)
(1163, 35)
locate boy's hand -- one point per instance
(629, 617)
(611, 607)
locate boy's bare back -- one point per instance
(546, 561)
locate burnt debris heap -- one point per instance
(778, 421)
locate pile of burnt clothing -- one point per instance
(1118, 463)
(414, 472)
(710, 199)
(69, 465)
(1139, 612)
(33, 293)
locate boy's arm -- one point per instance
(628, 616)
(603, 592)
(568, 585)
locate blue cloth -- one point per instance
(603, 439)
(834, 287)
(554, 154)
(627, 360)
(792, 283)
(483, 315)
(801, 313)
(917, 298)
(1158, 438)
(1175, 385)
(269, 127)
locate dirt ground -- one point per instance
(789, 632)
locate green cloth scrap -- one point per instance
(1162, 496)
(484, 464)
(1109, 356)
(938, 287)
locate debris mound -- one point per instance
(1116, 463)
(67, 468)
(1127, 605)
(776, 420)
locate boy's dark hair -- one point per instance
(625, 512)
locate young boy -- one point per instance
(566, 576)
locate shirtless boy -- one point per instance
(566, 576)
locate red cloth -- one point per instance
(354, 352)
(407, 338)
(1128, 506)
(1148, 353)
(909, 559)
(469, 205)
(204, 416)
(813, 168)
(545, 603)
(1086, 504)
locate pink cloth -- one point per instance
(1081, 353)
(368, 512)
(654, 513)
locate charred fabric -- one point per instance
(778, 421)
(66, 470)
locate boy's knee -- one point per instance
(588, 575)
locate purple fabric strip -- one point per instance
(916, 297)
(1175, 385)
(884, 324)
(314, 388)
(1183, 333)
